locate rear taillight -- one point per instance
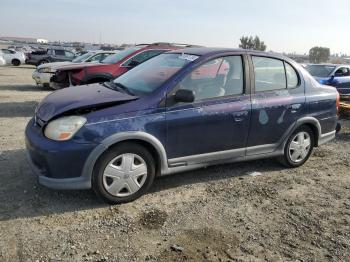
(337, 102)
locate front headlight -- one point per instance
(45, 70)
(64, 128)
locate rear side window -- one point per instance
(68, 54)
(292, 76)
(269, 74)
(273, 74)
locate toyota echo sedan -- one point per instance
(181, 110)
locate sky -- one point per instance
(284, 25)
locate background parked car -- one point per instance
(50, 55)
(332, 75)
(13, 57)
(110, 68)
(44, 72)
(2, 60)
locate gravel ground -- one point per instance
(222, 213)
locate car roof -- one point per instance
(200, 51)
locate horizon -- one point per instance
(295, 29)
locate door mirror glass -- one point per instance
(184, 95)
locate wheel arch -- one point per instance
(312, 123)
(148, 141)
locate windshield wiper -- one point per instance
(123, 88)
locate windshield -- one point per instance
(320, 70)
(151, 74)
(82, 58)
(112, 59)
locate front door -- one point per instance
(215, 125)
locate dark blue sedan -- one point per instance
(181, 110)
(332, 75)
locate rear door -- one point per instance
(59, 55)
(278, 101)
(215, 125)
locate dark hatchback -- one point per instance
(179, 111)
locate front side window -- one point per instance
(216, 78)
(143, 56)
(343, 71)
(269, 74)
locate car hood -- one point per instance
(73, 66)
(79, 98)
(54, 65)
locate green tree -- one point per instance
(319, 54)
(249, 42)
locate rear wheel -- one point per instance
(16, 62)
(298, 148)
(123, 174)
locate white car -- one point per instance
(44, 72)
(13, 57)
(2, 61)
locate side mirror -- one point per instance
(184, 95)
(133, 63)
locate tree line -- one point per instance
(317, 54)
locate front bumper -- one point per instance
(41, 78)
(58, 165)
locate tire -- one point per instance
(110, 169)
(16, 62)
(298, 148)
(41, 62)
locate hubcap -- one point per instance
(299, 147)
(125, 175)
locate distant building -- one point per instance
(23, 39)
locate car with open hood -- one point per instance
(44, 72)
(110, 68)
(179, 111)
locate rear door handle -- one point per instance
(295, 107)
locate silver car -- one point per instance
(44, 72)
(13, 57)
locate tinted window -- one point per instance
(59, 52)
(269, 74)
(143, 56)
(343, 71)
(216, 78)
(82, 58)
(292, 76)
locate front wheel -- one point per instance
(16, 62)
(298, 148)
(124, 173)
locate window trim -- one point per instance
(252, 75)
(198, 102)
(130, 58)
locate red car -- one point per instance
(110, 68)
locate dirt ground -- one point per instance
(222, 213)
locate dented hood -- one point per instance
(79, 97)
(76, 66)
